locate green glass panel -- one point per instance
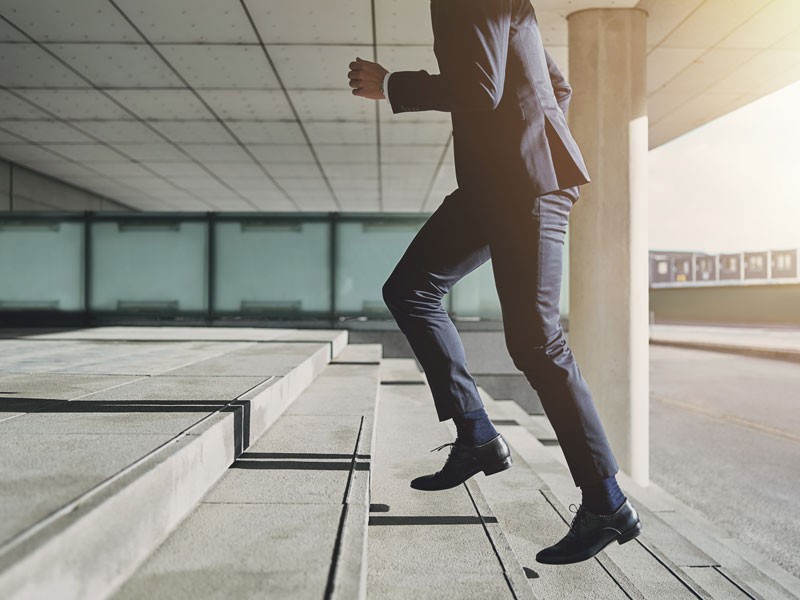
(157, 266)
(41, 265)
(273, 267)
(367, 253)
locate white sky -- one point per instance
(733, 184)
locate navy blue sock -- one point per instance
(474, 427)
(603, 498)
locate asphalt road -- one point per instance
(725, 439)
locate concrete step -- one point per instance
(289, 518)
(665, 559)
(439, 545)
(107, 445)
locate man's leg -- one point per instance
(526, 245)
(451, 244)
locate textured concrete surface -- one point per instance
(767, 342)
(416, 540)
(243, 551)
(143, 447)
(269, 527)
(43, 471)
(675, 535)
(732, 449)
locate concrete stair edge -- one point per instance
(79, 545)
(706, 537)
(350, 581)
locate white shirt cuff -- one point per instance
(386, 86)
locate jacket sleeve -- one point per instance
(471, 43)
(561, 88)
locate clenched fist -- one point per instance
(366, 78)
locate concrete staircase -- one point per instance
(265, 463)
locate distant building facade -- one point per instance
(673, 269)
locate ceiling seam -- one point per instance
(219, 120)
(678, 26)
(378, 146)
(714, 46)
(40, 146)
(752, 58)
(91, 136)
(120, 105)
(291, 104)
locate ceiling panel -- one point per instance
(151, 152)
(28, 65)
(406, 131)
(332, 104)
(775, 21)
(75, 104)
(248, 105)
(403, 22)
(87, 20)
(9, 138)
(232, 171)
(193, 21)
(260, 183)
(162, 104)
(120, 131)
(117, 65)
(218, 152)
(45, 131)
(10, 34)
(663, 64)
(176, 169)
(316, 66)
(12, 107)
(664, 16)
(353, 153)
(352, 171)
(711, 22)
(221, 66)
(341, 132)
(282, 153)
(194, 132)
(267, 132)
(409, 153)
(91, 152)
(119, 169)
(312, 21)
(277, 169)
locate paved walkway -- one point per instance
(765, 342)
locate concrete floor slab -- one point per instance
(255, 360)
(435, 586)
(180, 388)
(301, 459)
(109, 358)
(422, 537)
(273, 541)
(42, 472)
(341, 389)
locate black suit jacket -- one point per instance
(508, 100)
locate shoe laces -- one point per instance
(579, 513)
(443, 446)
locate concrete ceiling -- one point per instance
(177, 105)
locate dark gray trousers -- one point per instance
(525, 240)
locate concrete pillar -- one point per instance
(608, 301)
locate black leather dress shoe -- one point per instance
(465, 461)
(589, 533)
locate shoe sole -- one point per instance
(506, 463)
(503, 465)
(622, 538)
